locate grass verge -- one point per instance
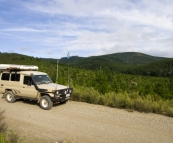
(129, 101)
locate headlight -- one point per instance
(65, 92)
(57, 92)
(70, 91)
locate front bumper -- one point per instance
(62, 95)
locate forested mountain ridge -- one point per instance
(127, 62)
(125, 57)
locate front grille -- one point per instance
(62, 97)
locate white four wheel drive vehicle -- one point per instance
(20, 81)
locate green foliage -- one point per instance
(104, 81)
(106, 87)
(88, 95)
(10, 137)
(130, 101)
(127, 63)
(2, 137)
(126, 57)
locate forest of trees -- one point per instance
(127, 63)
(106, 87)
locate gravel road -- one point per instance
(79, 122)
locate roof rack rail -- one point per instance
(12, 67)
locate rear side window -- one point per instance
(5, 76)
(15, 77)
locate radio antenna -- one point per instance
(68, 57)
(57, 74)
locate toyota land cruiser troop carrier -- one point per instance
(20, 81)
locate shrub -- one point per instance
(86, 94)
(169, 112)
(132, 101)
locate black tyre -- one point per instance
(46, 103)
(10, 97)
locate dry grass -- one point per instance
(130, 101)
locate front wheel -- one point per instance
(10, 97)
(46, 103)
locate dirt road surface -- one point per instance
(79, 122)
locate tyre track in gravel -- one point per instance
(87, 123)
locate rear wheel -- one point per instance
(46, 103)
(10, 97)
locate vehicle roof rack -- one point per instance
(12, 67)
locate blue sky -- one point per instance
(52, 28)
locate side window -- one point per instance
(26, 80)
(5, 76)
(15, 77)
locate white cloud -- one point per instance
(92, 27)
(24, 29)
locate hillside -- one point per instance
(159, 68)
(128, 63)
(107, 87)
(125, 58)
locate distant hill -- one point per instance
(128, 63)
(126, 57)
(65, 60)
(72, 60)
(117, 61)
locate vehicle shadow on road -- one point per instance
(27, 101)
(60, 103)
(57, 104)
(34, 102)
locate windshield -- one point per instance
(41, 79)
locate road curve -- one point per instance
(85, 123)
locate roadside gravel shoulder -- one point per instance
(83, 122)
